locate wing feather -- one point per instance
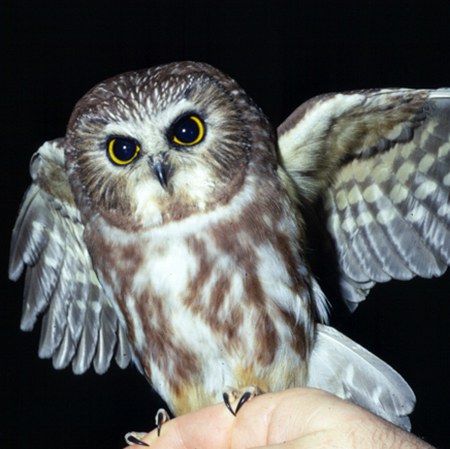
(124, 353)
(106, 339)
(33, 237)
(375, 165)
(341, 366)
(79, 321)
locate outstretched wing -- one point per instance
(375, 166)
(80, 325)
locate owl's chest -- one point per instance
(193, 275)
(216, 276)
(210, 308)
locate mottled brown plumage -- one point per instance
(171, 226)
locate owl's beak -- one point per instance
(161, 169)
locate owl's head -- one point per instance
(161, 144)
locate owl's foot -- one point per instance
(135, 438)
(161, 417)
(234, 399)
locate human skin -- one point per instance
(301, 418)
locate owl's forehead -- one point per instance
(157, 91)
(160, 90)
(132, 94)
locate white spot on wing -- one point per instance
(446, 180)
(354, 195)
(426, 163)
(363, 172)
(364, 219)
(385, 216)
(444, 150)
(405, 171)
(349, 225)
(444, 211)
(425, 189)
(394, 133)
(398, 194)
(372, 193)
(341, 200)
(407, 150)
(381, 173)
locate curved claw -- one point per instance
(243, 399)
(226, 400)
(241, 396)
(131, 438)
(161, 417)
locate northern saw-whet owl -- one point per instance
(172, 226)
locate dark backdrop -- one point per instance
(282, 53)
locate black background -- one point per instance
(282, 53)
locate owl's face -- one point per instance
(161, 144)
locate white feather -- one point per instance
(346, 369)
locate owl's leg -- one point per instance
(161, 417)
(234, 399)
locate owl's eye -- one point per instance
(188, 130)
(122, 150)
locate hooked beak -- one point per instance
(161, 169)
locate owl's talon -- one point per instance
(135, 438)
(243, 399)
(226, 400)
(161, 417)
(239, 396)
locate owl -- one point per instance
(173, 227)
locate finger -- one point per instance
(276, 417)
(214, 427)
(206, 428)
(265, 420)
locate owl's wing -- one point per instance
(374, 166)
(344, 368)
(79, 323)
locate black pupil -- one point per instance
(186, 130)
(124, 149)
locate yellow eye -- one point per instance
(122, 150)
(188, 130)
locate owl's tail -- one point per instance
(344, 368)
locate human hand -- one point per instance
(301, 418)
